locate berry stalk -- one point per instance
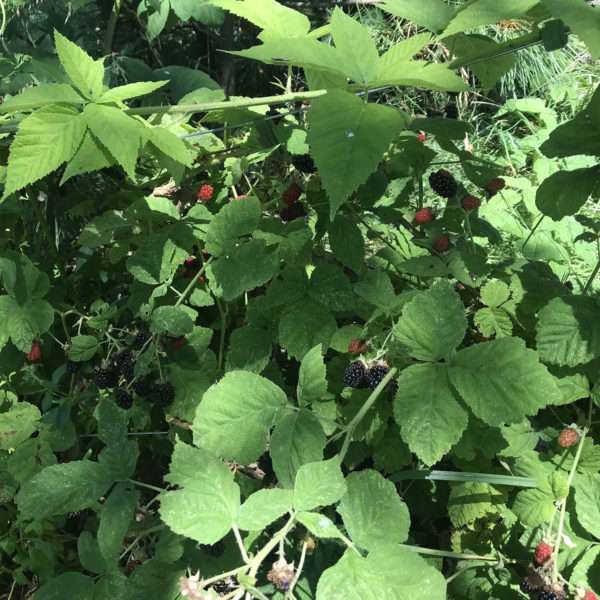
(563, 503)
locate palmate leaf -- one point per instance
(90, 156)
(347, 139)
(419, 73)
(432, 14)
(41, 95)
(130, 90)
(45, 140)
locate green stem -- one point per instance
(192, 283)
(139, 537)
(594, 273)
(563, 504)
(363, 411)
(420, 198)
(54, 250)
(147, 485)
(110, 28)
(533, 231)
(469, 232)
(272, 543)
(209, 106)
(240, 542)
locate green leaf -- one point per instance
(568, 331)
(303, 325)
(208, 503)
(85, 72)
(250, 349)
(232, 221)
(331, 287)
(348, 138)
(312, 378)
(276, 20)
(88, 552)
(346, 241)
(431, 14)
(493, 321)
(488, 71)
(130, 90)
(534, 507)
(245, 268)
(175, 320)
(201, 11)
(104, 229)
(450, 129)
(83, 347)
(319, 525)
(156, 260)
(45, 139)
(372, 511)
(577, 136)
(377, 288)
(166, 141)
(473, 500)
(587, 502)
(344, 335)
(516, 384)
(565, 192)
(115, 516)
(18, 423)
(581, 18)
(41, 95)
(263, 507)
(357, 53)
(431, 417)
(318, 484)
(90, 156)
(123, 136)
(418, 73)
(485, 12)
(81, 587)
(298, 439)
(27, 322)
(157, 13)
(64, 488)
(433, 324)
(235, 415)
(112, 428)
(494, 293)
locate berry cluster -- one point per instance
(360, 375)
(424, 216)
(206, 192)
(443, 183)
(291, 194)
(568, 437)
(304, 163)
(35, 352)
(292, 212)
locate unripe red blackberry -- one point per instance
(442, 243)
(123, 399)
(424, 216)
(495, 185)
(291, 194)
(35, 352)
(470, 202)
(443, 183)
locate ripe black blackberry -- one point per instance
(105, 377)
(126, 365)
(356, 375)
(142, 387)
(293, 212)
(392, 386)
(526, 587)
(443, 183)
(215, 550)
(451, 110)
(72, 366)
(163, 393)
(376, 374)
(123, 399)
(304, 163)
(140, 339)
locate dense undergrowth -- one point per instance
(313, 318)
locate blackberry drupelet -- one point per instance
(123, 399)
(140, 339)
(293, 212)
(164, 394)
(356, 375)
(105, 378)
(443, 183)
(376, 375)
(304, 163)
